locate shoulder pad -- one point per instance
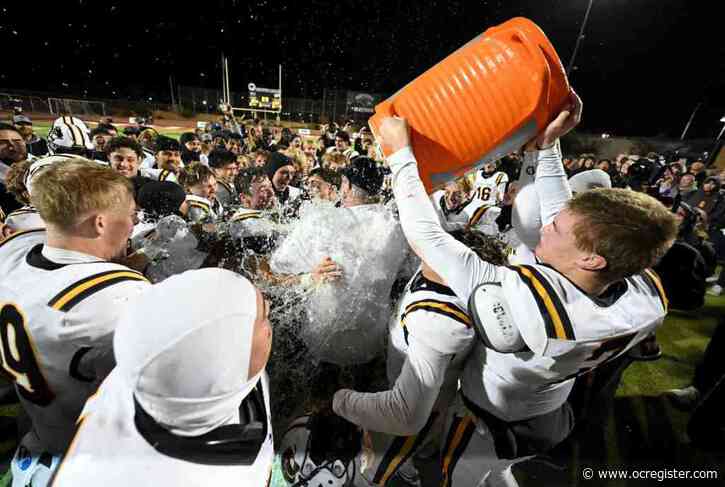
(493, 321)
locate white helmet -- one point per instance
(591, 179)
(69, 135)
(39, 165)
(306, 462)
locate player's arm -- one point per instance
(458, 265)
(552, 185)
(503, 181)
(404, 409)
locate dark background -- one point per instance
(641, 70)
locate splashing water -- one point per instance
(346, 320)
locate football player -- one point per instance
(430, 336)
(201, 205)
(224, 165)
(70, 135)
(188, 402)
(61, 295)
(588, 298)
(490, 185)
(167, 164)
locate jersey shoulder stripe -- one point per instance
(245, 216)
(164, 174)
(499, 178)
(655, 283)
(19, 234)
(478, 214)
(420, 283)
(556, 319)
(198, 204)
(226, 186)
(80, 290)
(440, 307)
(26, 210)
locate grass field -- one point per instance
(41, 129)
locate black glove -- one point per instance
(333, 438)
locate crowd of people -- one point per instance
(139, 274)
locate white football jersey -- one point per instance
(248, 223)
(482, 217)
(56, 332)
(434, 315)
(159, 174)
(490, 189)
(117, 445)
(451, 220)
(25, 218)
(567, 333)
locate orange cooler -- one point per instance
(482, 102)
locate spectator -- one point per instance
(280, 171)
(12, 150)
(666, 186)
(255, 189)
(698, 169)
(100, 136)
(167, 161)
(37, 146)
(201, 205)
(708, 199)
(124, 155)
(223, 164)
(260, 158)
(605, 165)
(324, 184)
(686, 188)
(342, 145)
(190, 147)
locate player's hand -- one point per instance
(5, 231)
(394, 132)
(326, 271)
(334, 437)
(569, 118)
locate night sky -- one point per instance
(641, 70)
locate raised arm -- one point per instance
(458, 265)
(552, 185)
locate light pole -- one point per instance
(579, 38)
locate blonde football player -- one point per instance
(588, 298)
(60, 300)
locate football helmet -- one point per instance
(320, 450)
(69, 135)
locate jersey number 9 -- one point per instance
(18, 357)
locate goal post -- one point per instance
(72, 106)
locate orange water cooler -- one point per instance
(482, 102)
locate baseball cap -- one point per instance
(365, 173)
(22, 119)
